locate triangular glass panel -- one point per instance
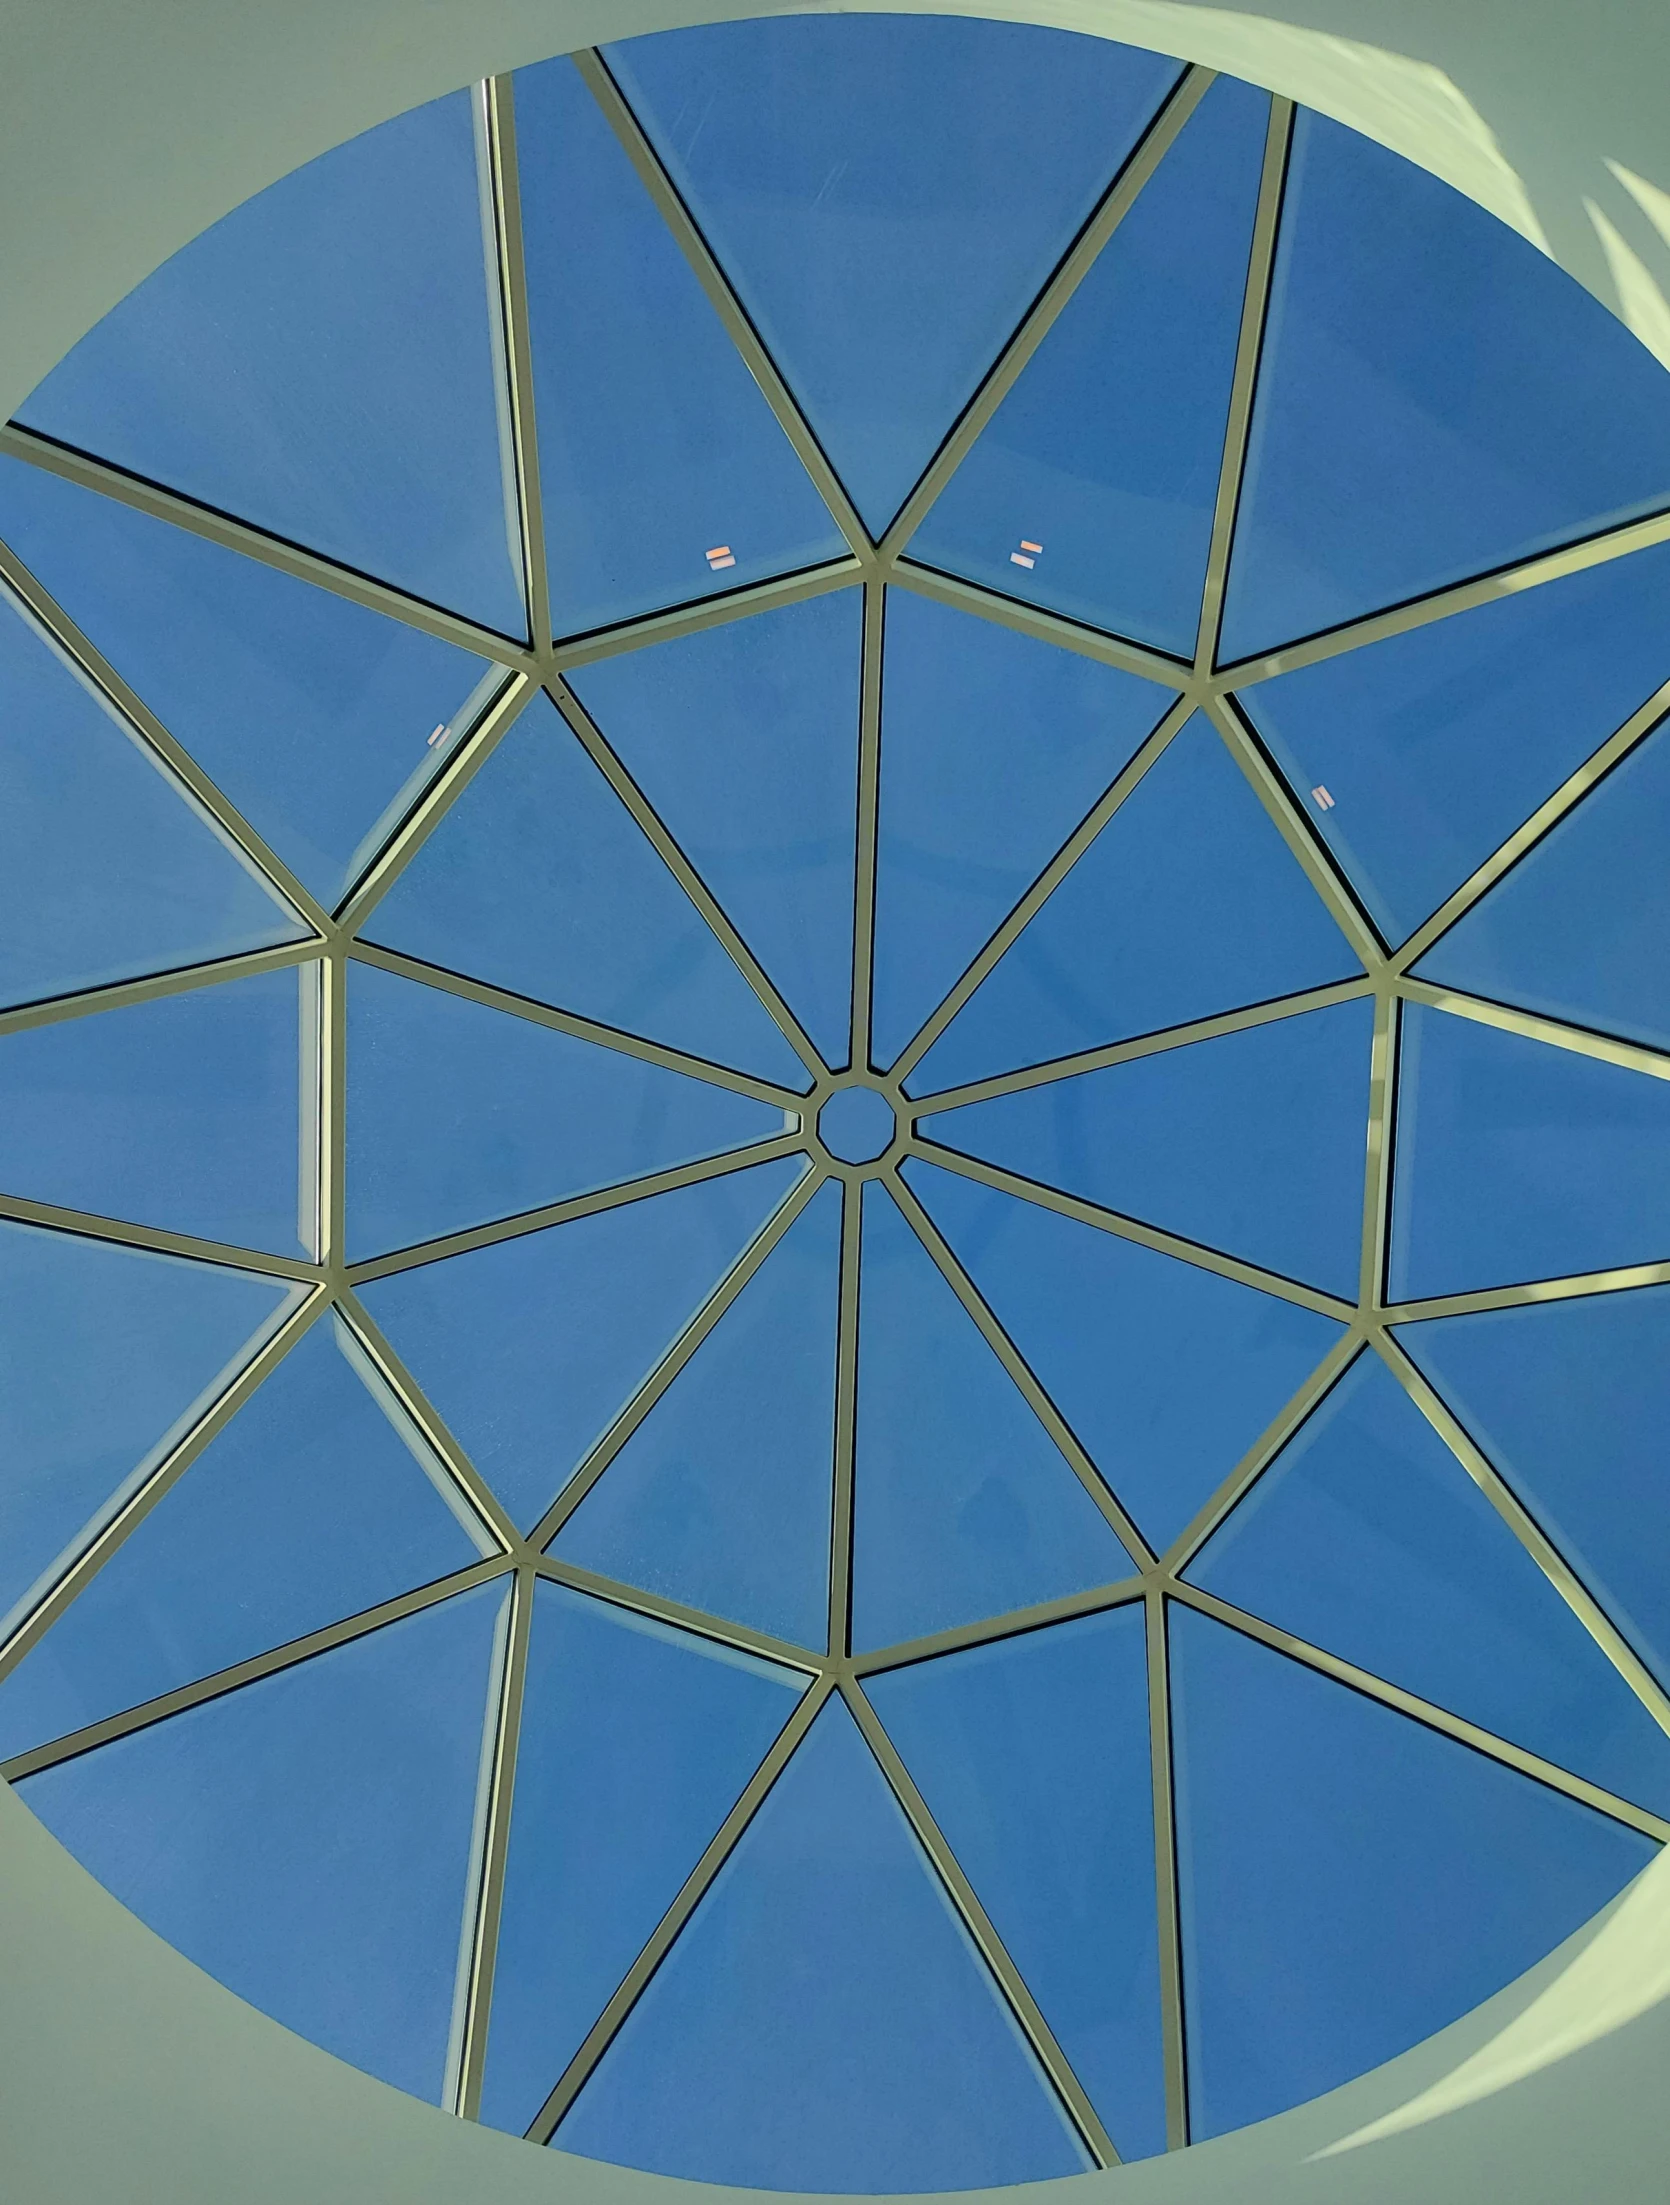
(1186, 904)
(321, 721)
(1577, 929)
(183, 1112)
(721, 1498)
(993, 747)
(1367, 1538)
(1375, 472)
(1418, 756)
(1571, 1401)
(888, 194)
(1033, 1757)
(1167, 1373)
(637, 1741)
(1350, 1880)
(824, 2023)
(1517, 1160)
(1252, 1143)
(108, 1355)
(745, 740)
(317, 1500)
(322, 362)
(307, 1840)
(1093, 486)
(530, 1347)
(539, 880)
(660, 461)
(458, 1114)
(963, 1506)
(107, 869)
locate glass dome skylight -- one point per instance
(949, 1464)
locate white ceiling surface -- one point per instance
(125, 2074)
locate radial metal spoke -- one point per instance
(90, 1226)
(1530, 1293)
(117, 995)
(1065, 1608)
(1163, 1787)
(1377, 1171)
(869, 802)
(701, 613)
(699, 1622)
(1036, 621)
(1583, 1041)
(839, 1635)
(499, 130)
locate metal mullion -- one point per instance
(1377, 1168)
(1029, 2018)
(1529, 1294)
(697, 614)
(722, 298)
(1426, 1712)
(1019, 1370)
(604, 2030)
(1168, 1912)
(89, 1225)
(1065, 1608)
(1583, 1041)
(499, 113)
(117, 995)
(839, 1632)
(869, 800)
(699, 1622)
(254, 543)
(1039, 622)
(331, 1201)
(1115, 203)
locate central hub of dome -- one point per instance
(857, 1124)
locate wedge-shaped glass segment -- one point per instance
(107, 1357)
(307, 1840)
(1252, 1143)
(1350, 1880)
(1368, 1538)
(107, 869)
(458, 1114)
(185, 1112)
(824, 2023)
(1375, 471)
(321, 721)
(316, 1501)
(1167, 1373)
(665, 475)
(1517, 1160)
(993, 748)
(1092, 488)
(636, 1743)
(529, 1348)
(1187, 903)
(721, 1498)
(1571, 1400)
(1033, 1757)
(321, 362)
(1578, 928)
(539, 880)
(888, 195)
(1418, 756)
(963, 1506)
(745, 740)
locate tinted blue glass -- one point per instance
(1520, 1161)
(1166, 1373)
(1578, 928)
(993, 748)
(1252, 1143)
(1376, 472)
(182, 1112)
(540, 881)
(106, 1357)
(318, 719)
(1187, 903)
(857, 1124)
(665, 474)
(962, 1504)
(1368, 1538)
(529, 1348)
(636, 1743)
(1350, 1880)
(721, 1498)
(823, 2023)
(745, 739)
(458, 1114)
(1436, 744)
(1092, 488)
(322, 362)
(1033, 1757)
(887, 195)
(106, 869)
(316, 1501)
(1571, 1402)
(307, 1839)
